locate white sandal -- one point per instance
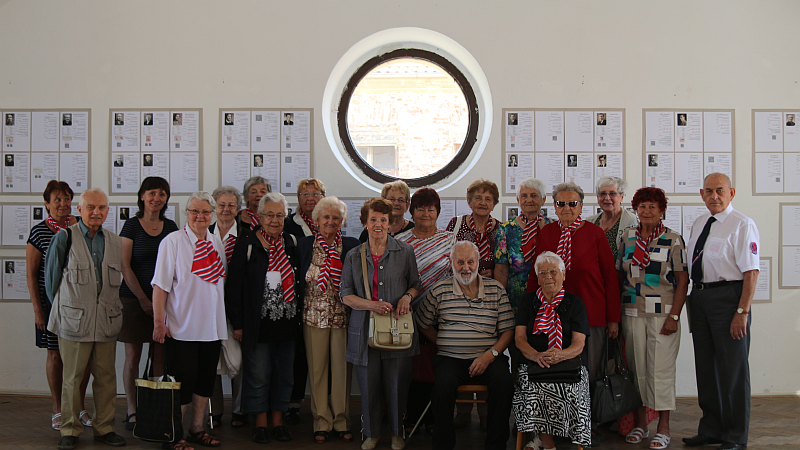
(87, 422)
(56, 425)
(660, 441)
(636, 435)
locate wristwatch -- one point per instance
(742, 311)
(409, 296)
(494, 352)
(675, 317)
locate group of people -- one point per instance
(298, 296)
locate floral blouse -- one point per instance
(508, 250)
(322, 309)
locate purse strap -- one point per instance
(364, 271)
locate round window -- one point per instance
(409, 114)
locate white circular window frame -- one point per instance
(393, 39)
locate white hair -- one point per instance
(533, 183)
(229, 190)
(82, 200)
(276, 197)
(618, 182)
(549, 257)
(456, 275)
(330, 202)
(203, 196)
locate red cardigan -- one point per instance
(593, 276)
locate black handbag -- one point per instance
(568, 371)
(614, 394)
(158, 407)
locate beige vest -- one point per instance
(78, 313)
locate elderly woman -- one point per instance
(614, 219)
(300, 223)
(551, 328)
(590, 268)
(479, 227)
(399, 195)
(228, 230)
(648, 253)
(189, 310)
(261, 296)
(325, 319)
(141, 236)
(517, 239)
(394, 283)
(254, 188)
(58, 203)
(432, 249)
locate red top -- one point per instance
(593, 276)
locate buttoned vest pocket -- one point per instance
(71, 320)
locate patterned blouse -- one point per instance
(433, 257)
(508, 250)
(649, 292)
(322, 309)
(464, 233)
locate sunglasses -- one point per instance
(571, 204)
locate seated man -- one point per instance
(476, 324)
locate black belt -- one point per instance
(716, 284)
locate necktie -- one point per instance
(697, 256)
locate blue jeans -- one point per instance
(268, 378)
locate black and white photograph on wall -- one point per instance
(601, 118)
(228, 118)
(602, 160)
(10, 119)
(258, 160)
(10, 267)
(789, 120)
(66, 119)
(682, 120)
(148, 119)
(512, 213)
(177, 119)
(513, 119)
(544, 212)
(512, 161)
(38, 213)
(119, 119)
(119, 161)
(288, 119)
(652, 160)
(147, 160)
(9, 161)
(572, 160)
(124, 213)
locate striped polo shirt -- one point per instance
(467, 327)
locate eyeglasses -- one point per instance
(611, 194)
(271, 216)
(571, 204)
(398, 200)
(311, 194)
(194, 212)
(551, 272)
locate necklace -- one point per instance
(149, 223)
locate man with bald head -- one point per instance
(83, 274)
(723, 263)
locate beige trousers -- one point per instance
(325, 350)
(75, 356)
(651, 358)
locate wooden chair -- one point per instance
(473, 389)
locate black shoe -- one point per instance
(129, 425)
(282, 434)
(261, 435)
(111, 438)
(732, 446)
(292, 416)
(700, 439)
(595, 439)
(67, 442)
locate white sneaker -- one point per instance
(370, 443)
(398, 443)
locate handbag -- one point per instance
(158, 407)
(567, 371)
(230, 356)
(386, 332)
(615, 394)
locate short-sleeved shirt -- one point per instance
(40, 238)
(649, 292)
(571, 312)
(143, 254)
(195, 308)
(731, 248)
(433, 257)
(508, 250)
(467, 327)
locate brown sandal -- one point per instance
(180, 445)
(202, 438)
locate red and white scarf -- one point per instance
(253, 219)
(230, 243)
(482, 239)
(529, 236)
(547, 320)
(50, 221)
(641, 254)
(311, 225)
(279, 262)
(565, 242)
(207, 264)
(332, 266)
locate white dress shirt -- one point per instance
(195, 308)
(732, 247)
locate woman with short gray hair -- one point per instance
(254, 188)
(613, 218)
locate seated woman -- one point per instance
(551, 328)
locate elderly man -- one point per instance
(476, 324)
(724, 269)
(82, 279)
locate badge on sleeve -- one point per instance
(754, 248)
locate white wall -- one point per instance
(211, 54)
